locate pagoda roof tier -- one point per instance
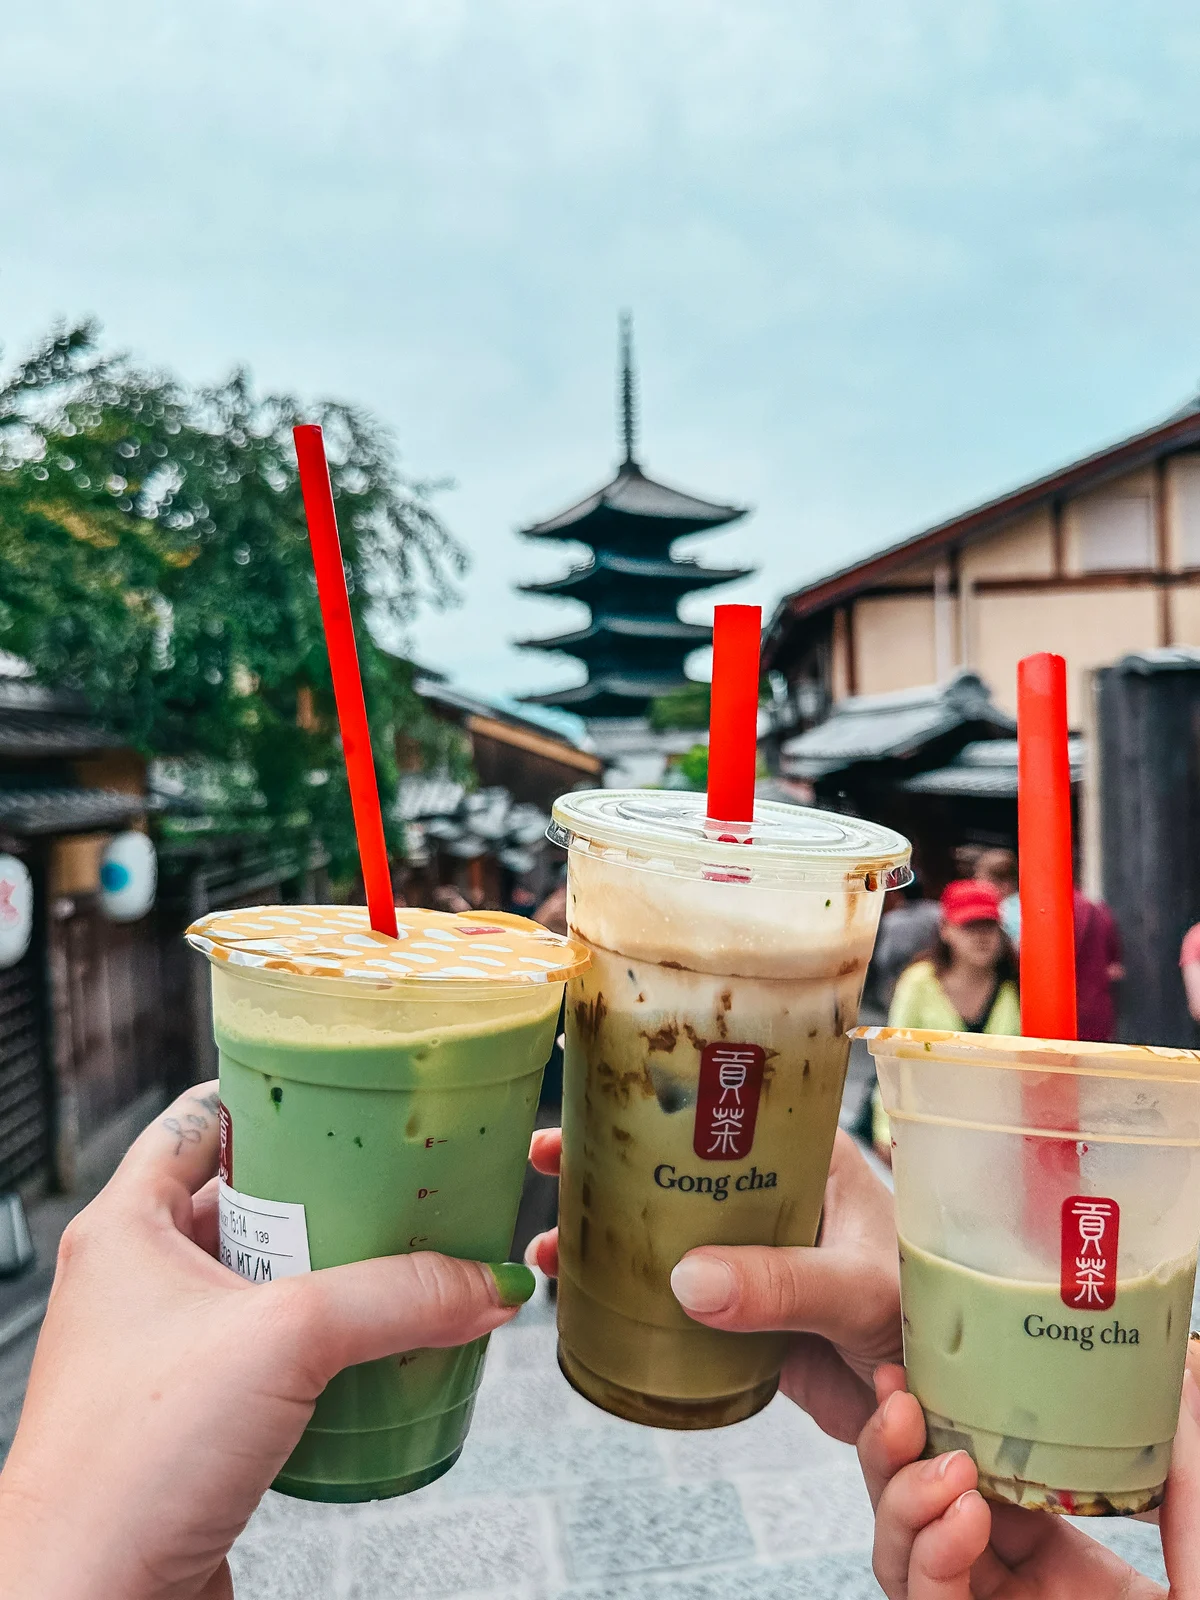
(610, 570)
(634, 510)
(666, 629)
(612, 694)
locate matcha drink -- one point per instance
(1044, 1394)
(377, 1098)
(706, 1051)
(1048, 1207)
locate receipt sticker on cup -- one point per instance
(262, 1240)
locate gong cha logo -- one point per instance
(727, 1101)
(1090, 1228)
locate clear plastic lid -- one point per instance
(436, 946)
(1163, 1063)
(668, 831)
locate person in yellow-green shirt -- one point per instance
(967, 983)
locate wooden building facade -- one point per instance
(80, 1043)
(101, 1020)
(1094, 561)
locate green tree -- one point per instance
(690, 770)
(682, 708)
(688, 708)
(154, 555)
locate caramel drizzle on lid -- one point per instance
(339, 942)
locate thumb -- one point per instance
(545, 1151)
(753, 1288)
(342, 1316)
(1178, 1521)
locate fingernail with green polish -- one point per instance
(514, 1283)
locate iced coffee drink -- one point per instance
(706, 1052)
(1046, 1270)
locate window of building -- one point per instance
(1187, 505)
(1116, 533)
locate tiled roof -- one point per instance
(681, 573)
(633, 494)
(45, 811)
(627, 627)
(554, 725)
(607, 688)
(419, 798)
(890, 726)
(37, 733)
(1168, 658)
(985, 770)
(35, 721)
(471, 825)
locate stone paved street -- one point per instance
(552, 1498)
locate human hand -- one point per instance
(840, 1298)
(167, 1392)
(936, 1538)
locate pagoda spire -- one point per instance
(629, 397)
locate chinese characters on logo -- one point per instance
(1090, 1226)
(727, 1101)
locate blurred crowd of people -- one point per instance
(954, 963)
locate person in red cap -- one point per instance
(968, 982)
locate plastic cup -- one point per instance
(705, 1056)
(377, 1098)
(1046, 1260)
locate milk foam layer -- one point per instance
(726, 928)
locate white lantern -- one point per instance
(128, 877)
(16, 910)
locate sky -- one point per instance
(885, 258)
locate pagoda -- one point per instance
(635, 644)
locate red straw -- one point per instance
(347, 680)
(733, 718)
(1047, 930)
(1044, 827)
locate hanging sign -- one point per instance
(16, 910)
(128, 877)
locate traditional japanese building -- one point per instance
(1094, 561)
(635, 644)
